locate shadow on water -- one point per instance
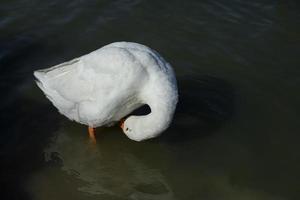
(205, 104)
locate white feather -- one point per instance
(104, 86)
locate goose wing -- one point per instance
(92, 88)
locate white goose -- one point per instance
(104, 86)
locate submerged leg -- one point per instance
(92, 134)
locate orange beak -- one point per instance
(122, 123)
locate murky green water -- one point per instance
(236, 130)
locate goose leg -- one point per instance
(122, 123)
(92, 134)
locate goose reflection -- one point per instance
(109, 169)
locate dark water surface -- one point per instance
(236, 130)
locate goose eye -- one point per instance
(126, 129)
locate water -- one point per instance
(235, 134)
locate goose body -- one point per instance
(104, 86)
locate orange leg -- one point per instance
(92, 134)
(122, 123)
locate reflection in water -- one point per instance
(106, 169)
